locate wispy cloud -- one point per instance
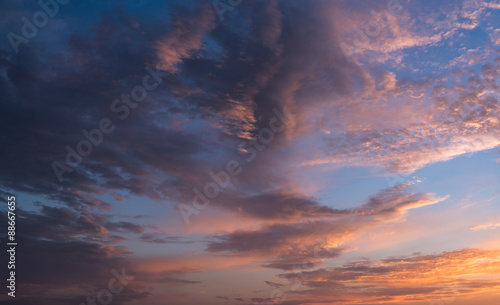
(489, 226)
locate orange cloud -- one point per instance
(447, 276)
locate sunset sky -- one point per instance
(251, 152)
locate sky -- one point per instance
(256, 152)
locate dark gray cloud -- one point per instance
(157, 238)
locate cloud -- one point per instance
(489, 226)
(79, 250)
(439, 125)
(406, 279)
(396, 200)
(74, 249)
(278, 205)
(157, 238)
(304, 244)
(186, 36)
